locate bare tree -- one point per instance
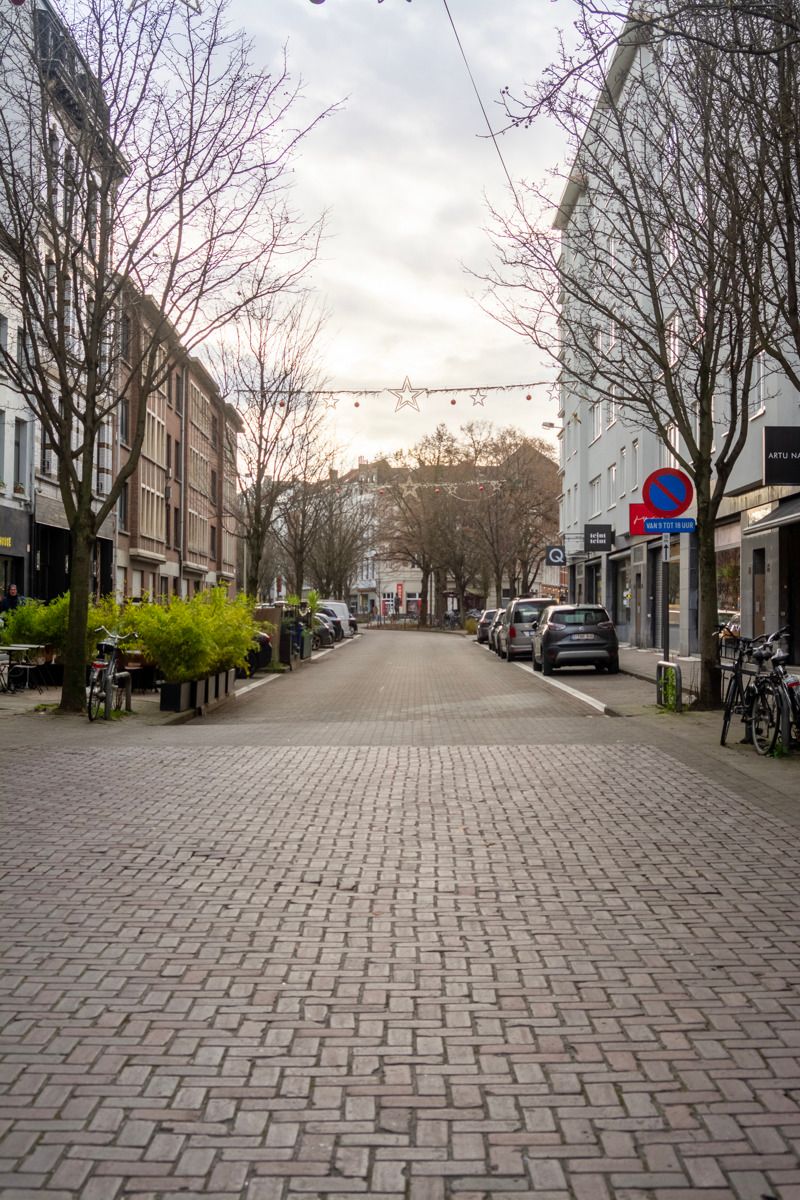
(270, 377)
(341, 538)
(142, 154)
(651, 275)
(518, 513)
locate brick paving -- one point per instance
(405, 924)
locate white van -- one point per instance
(342, 612)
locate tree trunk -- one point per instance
(710, 674)
(253, 567)
(423, 600)
(73, 689)
(498, 590)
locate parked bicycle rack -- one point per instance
(662, 674)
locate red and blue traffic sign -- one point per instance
(667, 492)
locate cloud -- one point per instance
(405, 170)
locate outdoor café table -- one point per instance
(19, 655)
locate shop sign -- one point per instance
(598, 539)
(781, 454)
(637, 514)
(555, 556)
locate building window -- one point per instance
(758, 393)
(122, 507)
(20, 454)
(621, 479)
(214, 488)
(176, 527)
(635, 465)
(3, 340)
(178, 396)
(125, 337)
(177, 467)
(124, 411)
(594, 496)
(212, 529)
(169, 455)
(214, 430)
(612, 407)
(612, 485)
(596, 420)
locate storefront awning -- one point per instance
(787, 512)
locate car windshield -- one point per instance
(581, 616)
(489, 615)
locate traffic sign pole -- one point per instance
(665, 546)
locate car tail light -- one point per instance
(605, 625)
(554, 625)
(512, 631)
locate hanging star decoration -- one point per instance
(478, 398)
(407, 396)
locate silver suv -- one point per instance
(514, 634)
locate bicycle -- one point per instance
(779, 698)
(104, 673)
(738, 696)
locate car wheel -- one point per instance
(547, 667)
(599, 667)
(613, 667)
(508, 656)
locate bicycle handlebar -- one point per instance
(115, 637)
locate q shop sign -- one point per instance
(782, 454)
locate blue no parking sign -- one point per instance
(667, 492)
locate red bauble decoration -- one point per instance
(18, 2)
(529, 396)
(437, 491)
(281, 404)
(480, 487)
(452, 401)
(357, 404)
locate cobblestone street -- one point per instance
(406, 923)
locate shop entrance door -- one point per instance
(759, 593)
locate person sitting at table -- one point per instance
(11, 599)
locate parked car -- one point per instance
(335, 620)
(484, 624)
(514, 634)
(494, 629)
(338, 609)
(575, 635)
(322, 632)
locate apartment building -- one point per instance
(608, 447)
(176, 518)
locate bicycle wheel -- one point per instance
(731, 696)
(97, 694)
(765, 717)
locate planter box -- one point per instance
(177, 697)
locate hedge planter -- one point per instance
(177, 697)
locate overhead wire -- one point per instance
(480, 102)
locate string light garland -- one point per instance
(408, 396)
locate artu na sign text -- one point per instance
(781, 454)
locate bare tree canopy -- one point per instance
(270, 376)
(143, 157)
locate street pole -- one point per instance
(665, 539)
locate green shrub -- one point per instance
(173, 638)
(229, 625)
(38, 624)
(191, 638)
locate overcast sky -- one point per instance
(405, 170)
